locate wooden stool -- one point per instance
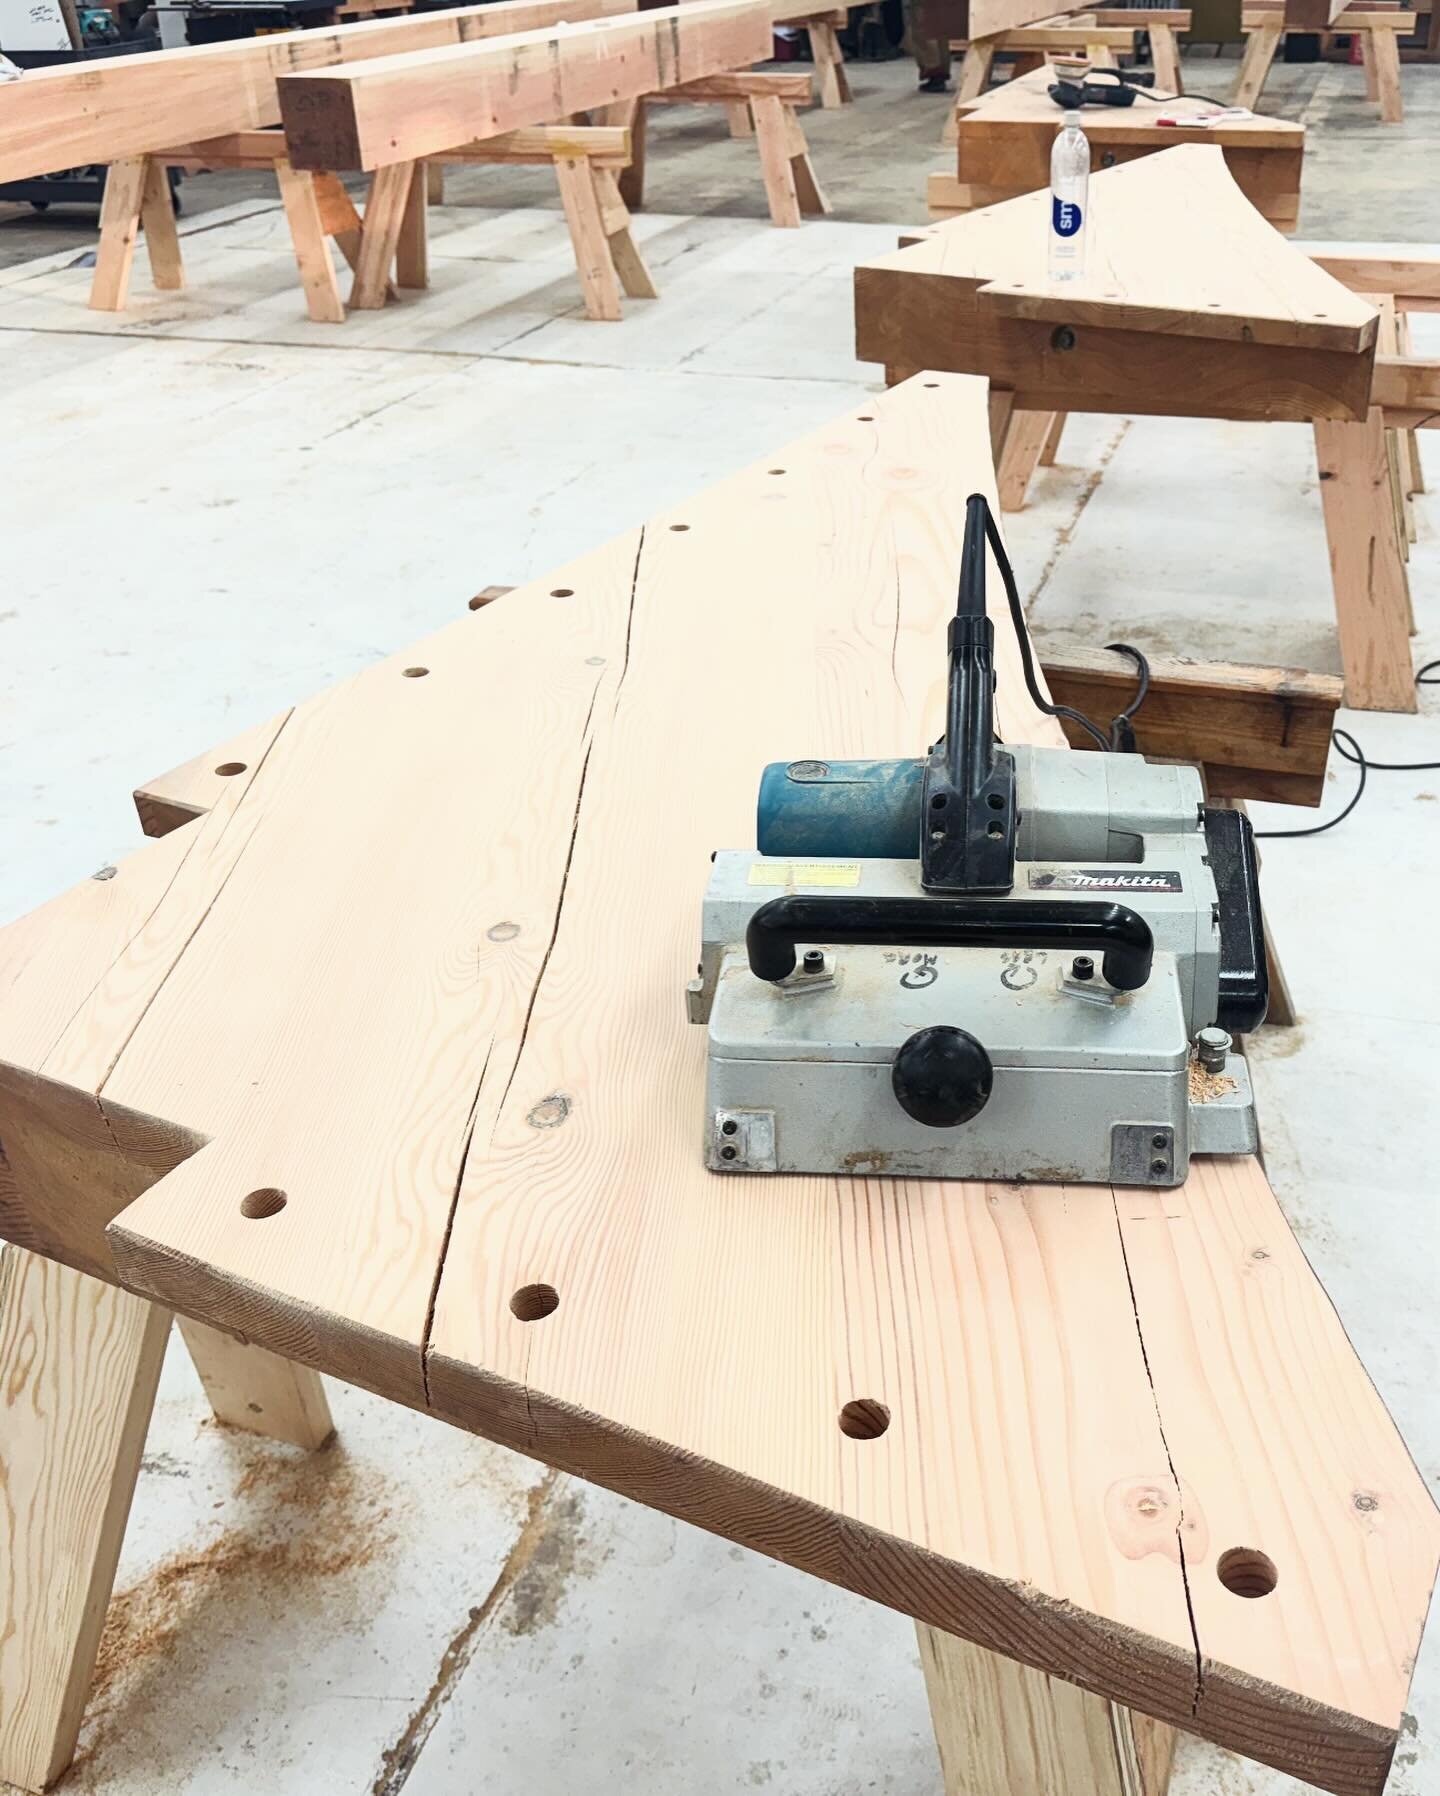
(1377, 25)
(392, 231)
(770, 101)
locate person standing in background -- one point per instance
(930, 25)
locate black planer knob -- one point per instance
(942, 1076)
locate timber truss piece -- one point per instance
(1190, 305)
(401, 1088)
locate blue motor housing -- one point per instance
(859, 810)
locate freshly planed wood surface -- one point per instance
(1259, 732)
(79, 1363)
(1190, 304)
(464, 1063)
(1002, 1727)
(1005, 136)
(132, 105)
(397, 108)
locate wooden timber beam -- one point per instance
(1266, 334)
(1407, 387)
(400, 108)
(1412, 280)
(1259, 732)
(411, 1089)
(100, 111)
(1064, 36)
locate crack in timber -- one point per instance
(1170, 1461)
(450, 1228)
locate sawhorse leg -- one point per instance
(790, 185)
(79, 1364)
(1002, 1727)
(1165, 58)
(598, 275)
(380, 230)
(832, 83)
(1382, 73)
(311, 240)
(635, 276)
(630, 115)
(137, 192)
(1026, 435)
(1260, 48)
(1372, 593)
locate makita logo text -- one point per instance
(1097, 879)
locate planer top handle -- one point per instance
(1068, 925)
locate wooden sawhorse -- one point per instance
(390, 238)
(1095, 33)
(1260, 333)
(1377, 24)
(766, 102)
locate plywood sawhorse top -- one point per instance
(382, 1062)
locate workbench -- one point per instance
(1004, 139)
(1190, 306)
(381, 1063)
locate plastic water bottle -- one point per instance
(1069, 198)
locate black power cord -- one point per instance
(1120, 738)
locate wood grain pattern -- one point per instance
(79, 1363)
(509, 1101)
(397, 108)
(1003, 1727)
(1229, 321)
(64, 116)
(1367, 564)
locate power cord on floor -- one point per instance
(1354, 753)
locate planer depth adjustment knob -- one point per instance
(942, 1076)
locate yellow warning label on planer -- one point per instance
(804, 873)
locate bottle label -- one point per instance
(1066, 216)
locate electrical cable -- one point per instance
(1121, 736)
(1022, 636)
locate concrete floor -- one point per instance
(212, 507)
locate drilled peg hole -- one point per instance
(228, 769)
(679, 526)
(864, 1419)
(562, 592)
(257, 1205)
(416, 673)
(996, 802)
(1246, 1571)
(932, 383)
(532, 1303)
(777, 470)
(866, 418)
